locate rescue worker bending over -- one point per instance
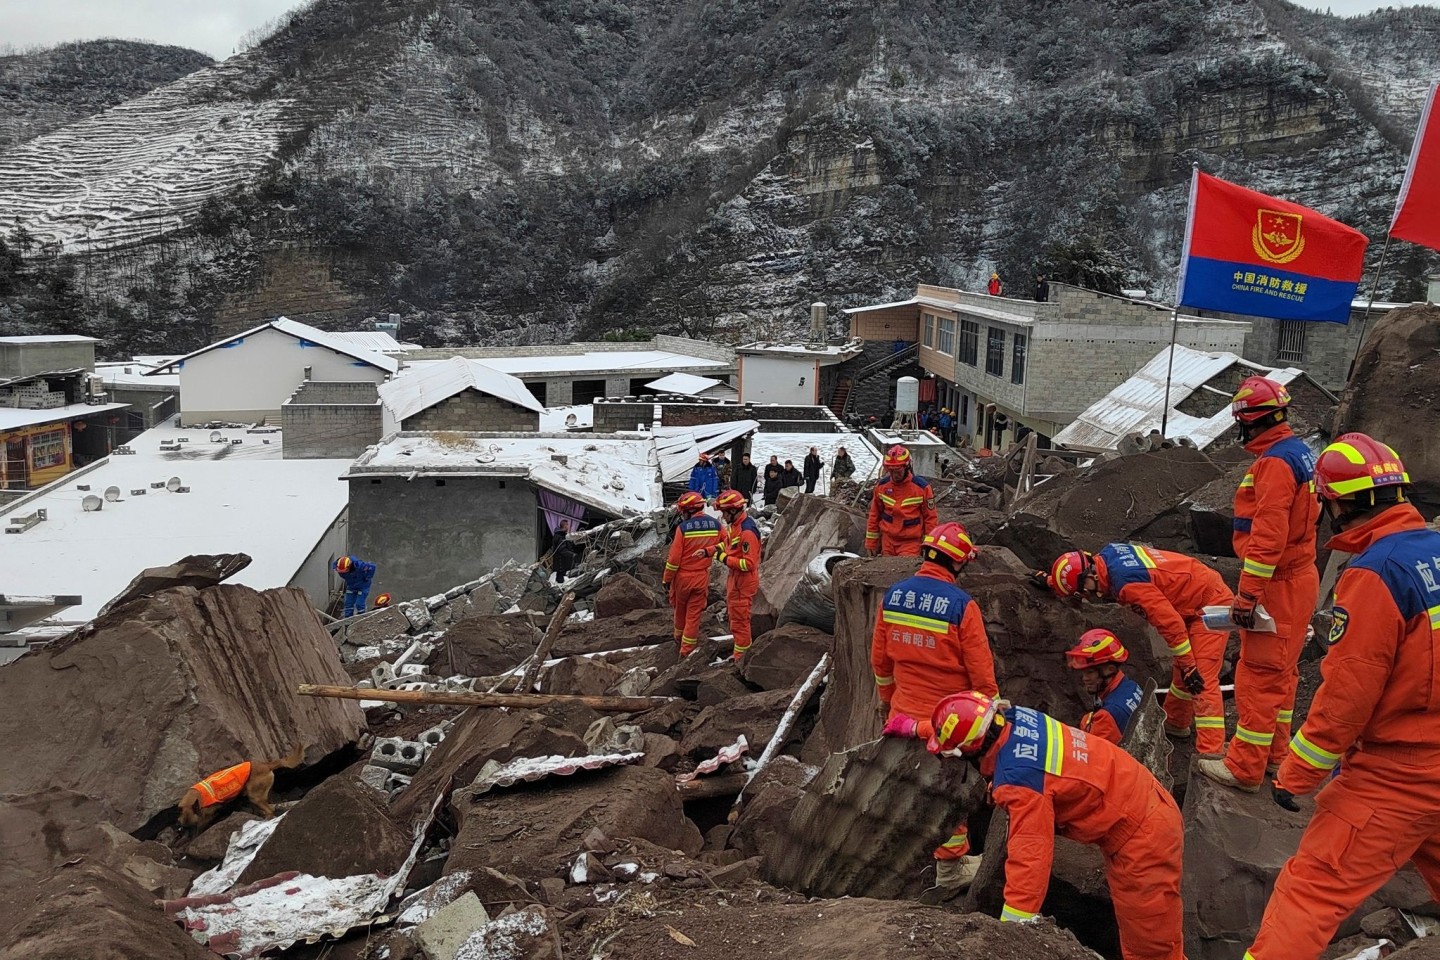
(1054, 779)
(1169, 590)
(356, 574)
(1097, 657)
(687, 568)
(930, 640)
(739, 551)
(902, 508)
(1275, 514)
(1376, 714)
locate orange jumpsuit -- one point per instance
(900, 514)
(1275, 514)
(687, 574)
(223, 785)
(1378, 711)
(1170, 590)
(930, 642)
(1054, 779)
(742, 560)
(1118, 703)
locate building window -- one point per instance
(1291, 347)
(969, 342)
(945, 336)
(929, 330)
(1017, 359)
(964, 408)
(995, 352)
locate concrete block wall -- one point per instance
(471, 410)
(29, 359)
(330, 431)
(336, 391)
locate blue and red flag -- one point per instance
(1257, 255)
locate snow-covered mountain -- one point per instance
(530, 170)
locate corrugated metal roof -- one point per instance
(1137, 405)
(421, 389)
(680, 447)
(529, 769)
(376, 340)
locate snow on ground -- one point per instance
(794, 446)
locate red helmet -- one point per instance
(1096, 647)
(1356, 463)
(382, 601)
(343, 565)
(730, 500)
(704, 458)
(1068, 571)
(961, 721)
(690, 502)
(1258, 397)
(951, 540)
(897, 458)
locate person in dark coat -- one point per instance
(563, 553)
(1042, 288)
(812, 469)
(841, 470)
(746, 477)
(721, 463)
(772, 481)
(790, 477)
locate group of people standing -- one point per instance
(710, 475)
(1372, 735)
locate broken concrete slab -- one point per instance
(533, 831)
(525, 934)
(784, 657)
(89, 910)
(166, 703)
(755, 716)
(621, 594)
(442, 935)
(375, 627)
(340, 829)
(844, 837)
(1210, 512)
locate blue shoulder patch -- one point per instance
(1124, 565)
(1408, 563)
(1297, 457)
(1122, 702)
(1021, 762)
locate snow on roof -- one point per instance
(616, 474)
(302, 332)
(794, 446)
(377, 340)
(134, 373)
(50, 338)
(1137, 404)
(555, 419)
(658, 361)
(686, 383)
(243, 498)
(830, 351)
(13, 418)
(680, 447)
(913, 301)
(421, 389)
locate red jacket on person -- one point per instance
(900, 515)
(1275, 510)
(1168, 589)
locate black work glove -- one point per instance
(1242, 611)
(1284, 798)
(1040, 580)
(1194, 683)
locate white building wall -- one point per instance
(247, 381)
(777, 379)
(316, 575)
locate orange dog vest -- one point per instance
(223, 785)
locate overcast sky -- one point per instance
(215, 26)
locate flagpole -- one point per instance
(1179, 292)
(1374, 287)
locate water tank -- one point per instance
(817, 321)
(907, 395)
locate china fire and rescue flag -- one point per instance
(1417, 212)
(1249, 253)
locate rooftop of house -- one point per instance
(15, 418)
(49, 338)
(136, 373)
(637, 361)
(826, 353)
(243, 498)
(300, 331)
(421, 388)
(687, 384)
(378, 341)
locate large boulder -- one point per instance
(533, 831)
(621, 594)
(784, 657)
(197, 570)
(808, 527)
(168, 688)
(581, 676)
(637, 628)
(89, 910)
(485, 646)
(340, 829)
(1391, 394)
(755, 715)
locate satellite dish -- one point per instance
(91, 503)
(172, 484)
(112, 494)
(486, 457)
(216, 436)
(571, 420)
(617, 484)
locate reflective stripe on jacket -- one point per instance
(1275, 510)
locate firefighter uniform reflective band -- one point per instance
(687, 574)
(1054, 780)
(223, 785)
(741, 557)
(1377, 717)
(1275, 515)
(900, 514)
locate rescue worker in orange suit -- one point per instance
(739, 551)
(1376, 715)
(1275, 514)
(902, 508)
(930, 641)
(687, 568)
(1054, 779)
(1169, 590)
(1097, 657)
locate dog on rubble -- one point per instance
(254, 778)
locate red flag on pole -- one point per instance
(1417, 212)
